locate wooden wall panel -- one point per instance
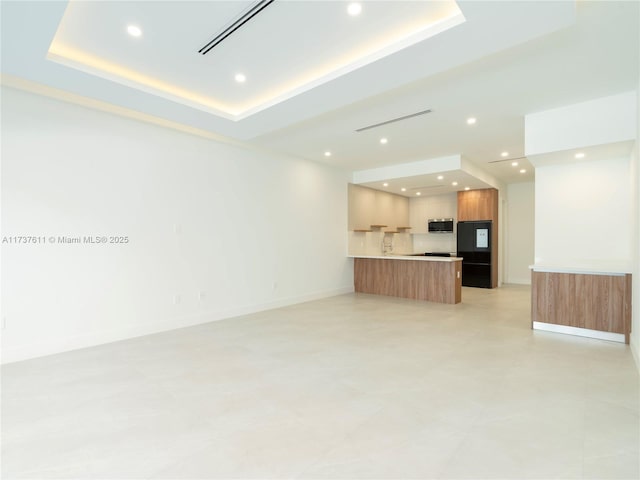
(416, 279)
(478, 205)
(596, 302)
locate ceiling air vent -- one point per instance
(255, 9)
(507, 159)
(368, 127)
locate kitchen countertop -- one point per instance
(408, 256)
(591, 268)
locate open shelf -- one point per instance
(379, 226)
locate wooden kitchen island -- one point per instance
(435, 279)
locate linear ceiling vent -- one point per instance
(426, 188)
(244, 18)
(423, 112)
(507, 159)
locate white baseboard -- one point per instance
(26, 352)
(580, 332)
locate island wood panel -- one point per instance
(494, 252)
(596, 302)
(417, 279)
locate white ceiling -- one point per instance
(286, 49)
(507, 59)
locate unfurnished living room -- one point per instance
(276, 239)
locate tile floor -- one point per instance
(350, 387)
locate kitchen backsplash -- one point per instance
(434, 242)
(371, 243)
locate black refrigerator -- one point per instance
(474, 246)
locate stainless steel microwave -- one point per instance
(440, 225)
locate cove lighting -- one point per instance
(69, 49)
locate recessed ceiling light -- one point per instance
(522, 170)
(134, 30)
(514, 164)
(504, 154)
(385, 184)
(471, 121)
(240, 78)
(354, 9)
(327, 153)
(455, 184)
(383, 141)
(580, 155)
(417, 193)
(440, 177)
(467, 188)
(403, 189)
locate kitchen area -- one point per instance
(423, 247)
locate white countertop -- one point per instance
(398, 256)
(593, 268)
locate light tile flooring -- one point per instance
(350, 387)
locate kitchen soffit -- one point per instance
(429, 184)
(301, 45)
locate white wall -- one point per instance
(635, 221)
(214, 231)
(582, 213)
(519, 229)
(595, 122)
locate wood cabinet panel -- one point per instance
(417, 279)
(595, 302)
(478, 205)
